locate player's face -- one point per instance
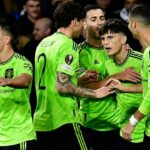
(3, 40)
(33, 8)
(113, 42)
(93, 22)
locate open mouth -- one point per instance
(108, 49)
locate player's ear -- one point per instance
(7, 39)
(124, 39)
(134, 24)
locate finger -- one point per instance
(92, 80)
(115, 82)
(109, 81)
(113, 91)
(133, 79)
(135, 74)
(110, 91)
(2, 84)
(128, 136)
(114, 87)
(125, 136)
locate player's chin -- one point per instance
(109, 53)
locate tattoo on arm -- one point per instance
(64, 85)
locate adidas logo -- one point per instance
(96, 62)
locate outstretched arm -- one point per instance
(129, 128)
(21, 81)
(127, 75)
(64, 85)
(135, 88)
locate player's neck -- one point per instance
(6, 53)
(65, 31)
(94, 42)
(145, 39)
(121, 56)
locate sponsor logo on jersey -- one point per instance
(28, 66)
(47, 43)
(66, 67)
(9, 73)
(69, 59)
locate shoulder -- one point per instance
(82, 46)
(136, 55)
(21, 59)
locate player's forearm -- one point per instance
(21, 81)
(136, 88)
(69, 88)
(135, 118)
(117, 76)
(138, 115)
(94, 85)
(64, 85)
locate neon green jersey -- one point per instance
(93, 58)
(16, 122)
(56, 53)
(145, 73)
(128, 102)
(98, 114)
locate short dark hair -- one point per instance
(116, 26)
(142, 13)
(8, 24)
(91, 7)
(67, 11)
(25, 1)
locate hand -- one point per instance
(114, 84)
(88, 76)
(127, 131)
(4, 81)
(130, 75)
(104, 91)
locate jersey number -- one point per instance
(43, 70)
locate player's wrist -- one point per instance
(133, 121)
(95, 94)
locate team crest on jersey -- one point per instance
(69, 59)
(9, 73)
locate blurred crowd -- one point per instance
(26, 14)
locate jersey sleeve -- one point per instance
(26, 67)
(145, 105)
(68, 60)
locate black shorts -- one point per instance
(27, 145)
(66, 137)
